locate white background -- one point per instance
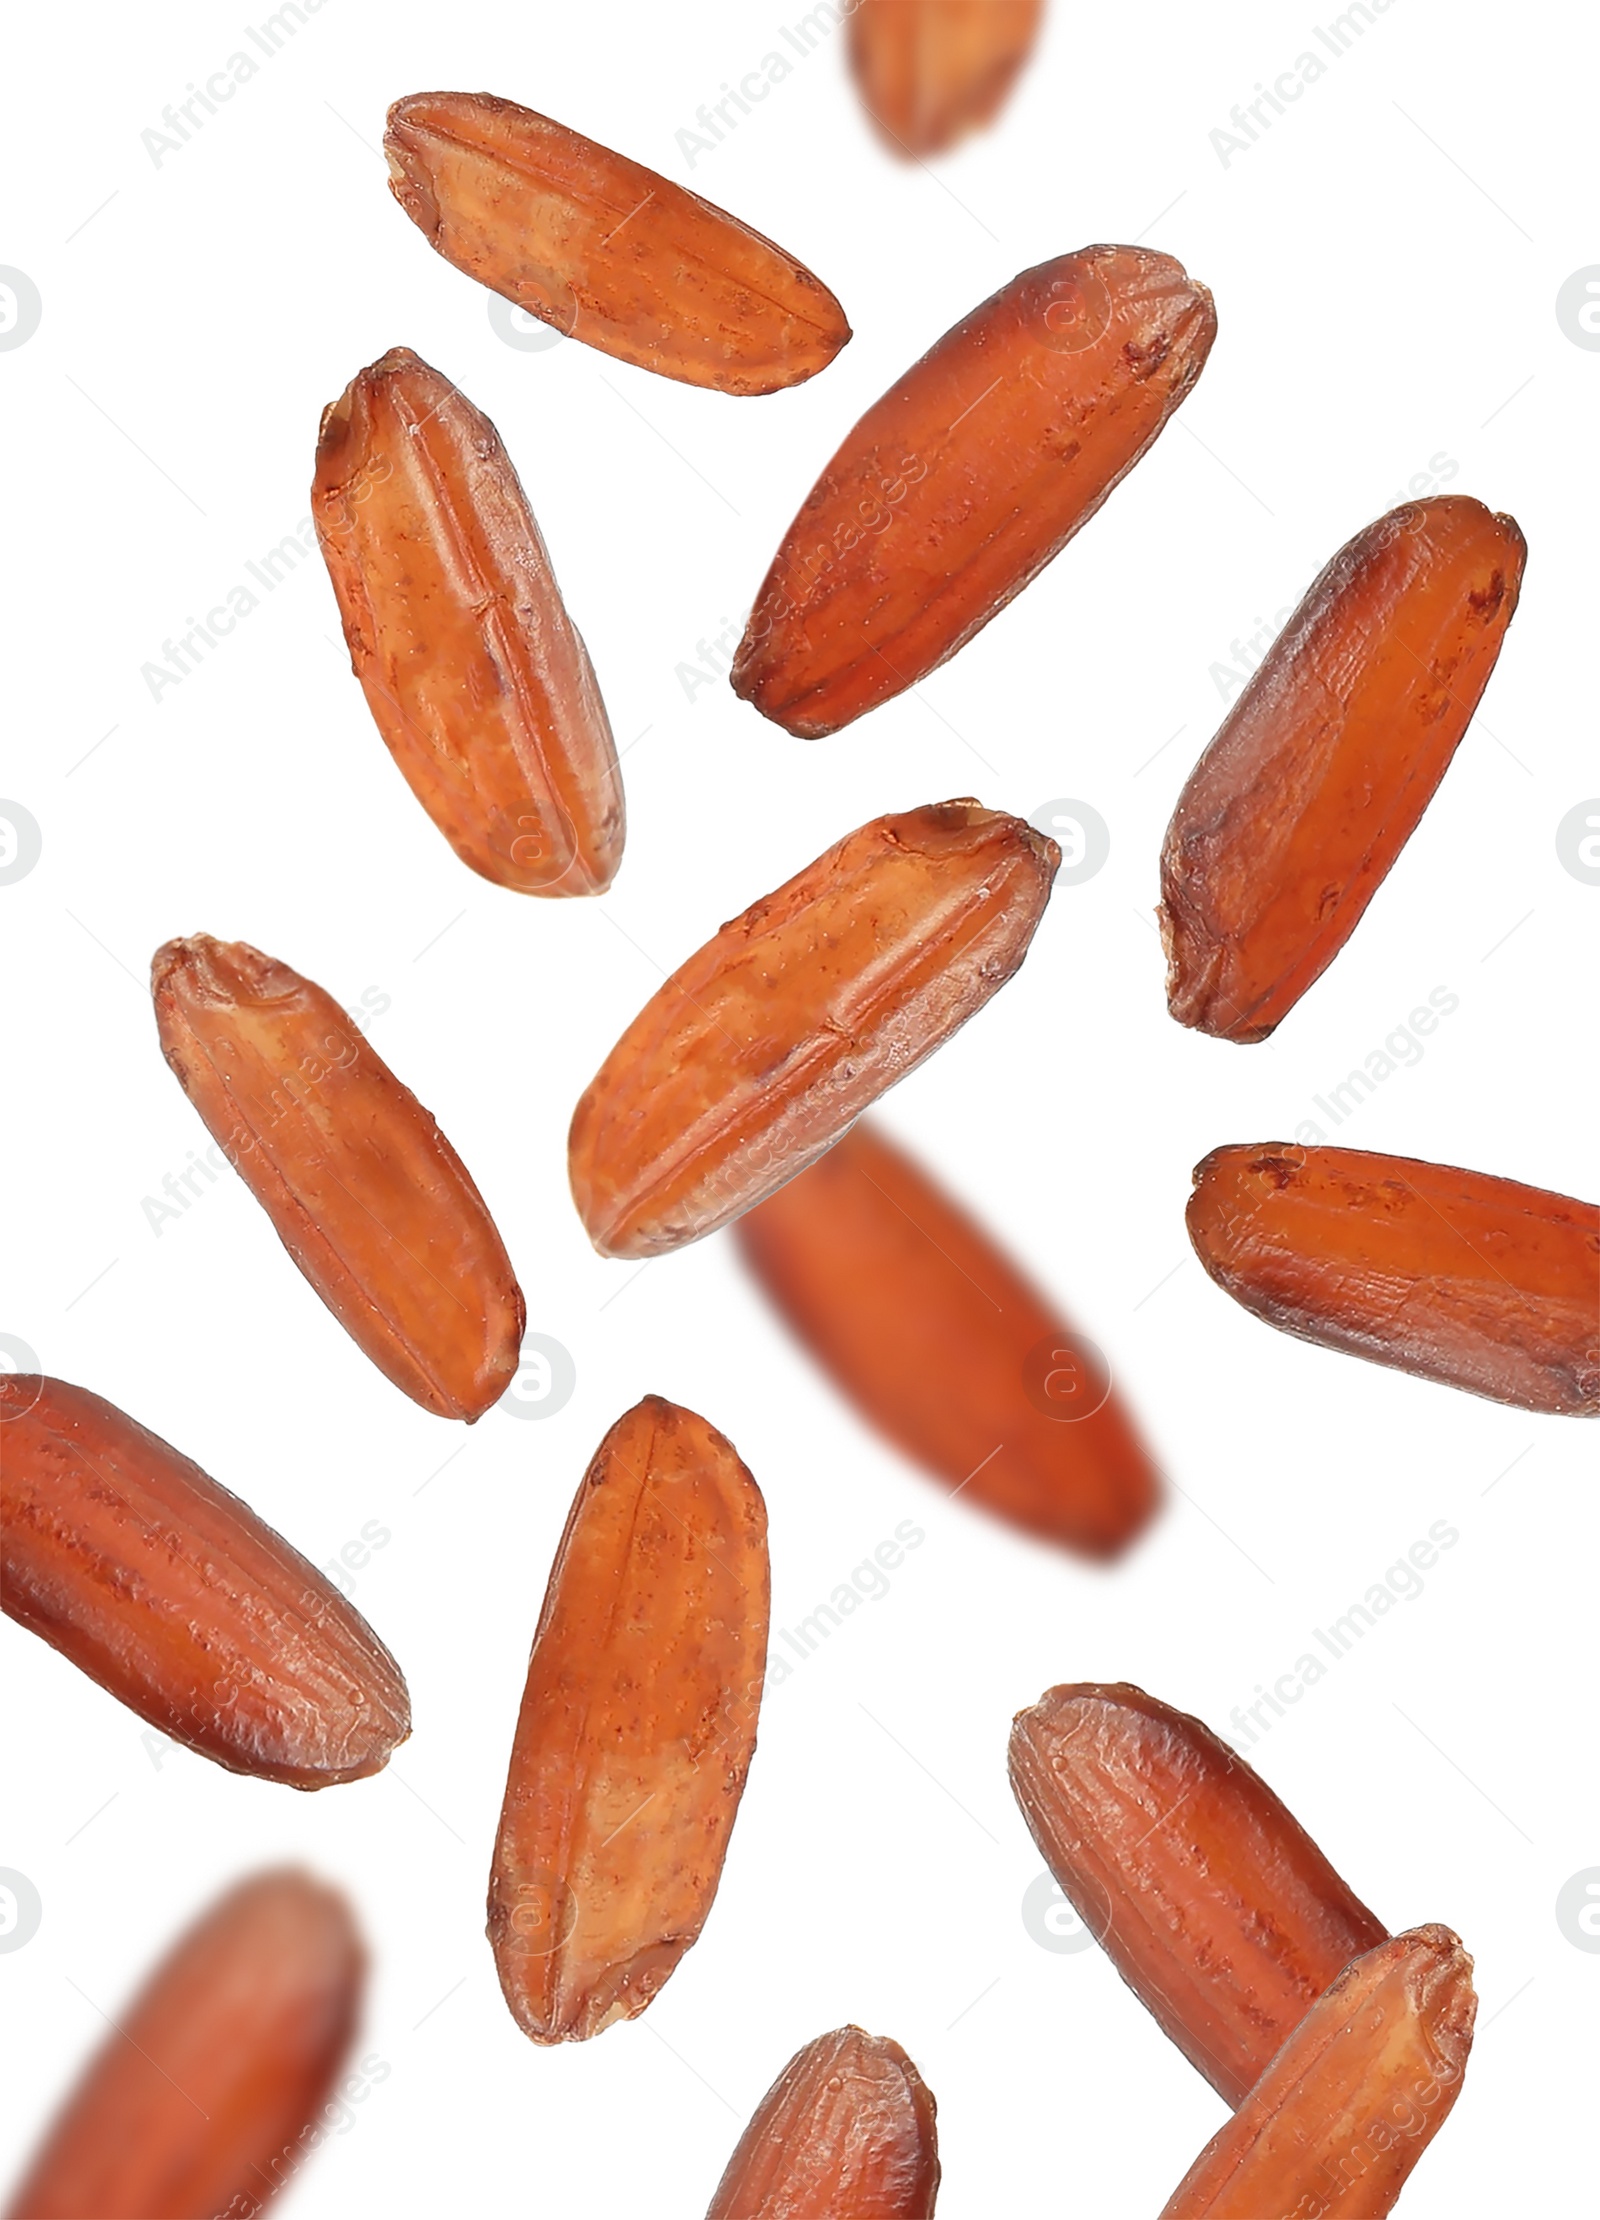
(1385, 263)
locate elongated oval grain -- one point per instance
(1295, 814)
(474, 672)
(930, 71)
(1459, 1277)
(1209, 1898)
(970, 474)
(606, 250)
(759, 1051)
(846, 2132)
(362, 1188)
(637, 1726)
(1360, 2089)
(204, 2100)
(940, 1341)
(178, 1600)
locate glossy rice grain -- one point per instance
(637, 1727)
(474, 673)
(173, 1596)
(967, 478)
(1299, 808)
(606, 250)
(761, 1050)
(362, 1188)
(217, 2082)
(1209, 1898)
(1340, 2118)
(931, 71)
(1458, 1277)
(946, 1347)
(846, 2132)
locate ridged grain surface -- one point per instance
(606, 250)
(967, 478)
(761, 1050)
(362, 1188)
(846, 2132)
(637, 1726)
(473, 671)
(178, 1600)
(1299, 808)
(1459, 1277)
(1208, 1896)
(1358, 2092)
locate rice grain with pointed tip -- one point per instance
(173, 1596)
(970, 474)
(1208, 1896)
(605, 250)
(637, 1727)
(475, 674)
(846, 2132)
(760, 1051)
(362, 1188)
(1359, 2090)
(1462, 1278)
(1299, 808)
